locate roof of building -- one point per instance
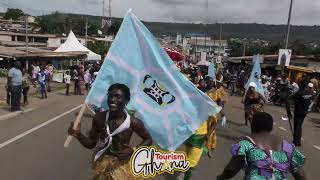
(9, 51)
(274, 57)
(33, 49)
(22, 43)
(20, 52)
(23, 34)
(74, 54)
(304, 69)
(208, 42)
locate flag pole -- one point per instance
(75, 125)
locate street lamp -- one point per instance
(288, 25)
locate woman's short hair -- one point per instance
(262, 121)
(123, 88)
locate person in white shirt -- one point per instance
(14, 85)
(265, 86)
(87, 78)
(295, 87)
(67, 79)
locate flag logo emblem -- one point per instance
(157, 91)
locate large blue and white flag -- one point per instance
(169, 105)
(212, 71)
(256, 76)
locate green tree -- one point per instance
(13, 14)
(114, 28)
(53, 23)
(92, 29)
(236, 49)
(298, 48)
(99, 47)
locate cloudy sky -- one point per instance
(305, 12)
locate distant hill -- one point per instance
(273, 33)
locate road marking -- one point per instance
(36, 128)
(317, 147)
(14, 114)
(282, 128)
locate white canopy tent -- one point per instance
(203, 63)
(73, 45)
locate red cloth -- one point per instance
(174, 55)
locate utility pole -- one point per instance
(206, 25)
(288, 25)
(86, 39)
(205, 36)
(244, 49)
(102, 19)
(220, 38)
(27, 41)
(106, 20)
(109, 21)
(110, 9)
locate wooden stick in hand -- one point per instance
(75, 125)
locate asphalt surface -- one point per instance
(38, 152)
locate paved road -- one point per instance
(40, 154)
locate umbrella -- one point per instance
(174, 55)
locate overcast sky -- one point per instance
(305, 12)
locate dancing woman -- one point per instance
(253, 103)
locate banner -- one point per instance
(260, 57)
(284, 57)
(256, 76)
(57, 76)
(169, 105)
(212, 71)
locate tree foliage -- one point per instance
(297, 47)
(98, 47)
(13, 14)
(237, 49)
(114, 28)
(58, 23)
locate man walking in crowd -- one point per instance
(284, 89)
(14, 85)
(265, 85)
(302, 100)
(67, 79)
(49, 74)
(81, 79)
(42, 81)
(87, 79)
(26, 80)
(233, 82)
(241, 82)
(76, 81)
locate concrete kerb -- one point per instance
(14, 114)
(17, 113)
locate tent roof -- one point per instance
(73, 45)
(203, 63)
